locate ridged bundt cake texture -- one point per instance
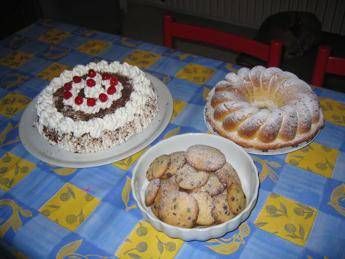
(264, 109)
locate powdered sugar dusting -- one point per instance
(223, 83)
(254, 76)
(281, 109)
(304, 116)
(243, 73)
(238, 116)
(233, 79)
(312, 103)
(289, 124)
(205, 157)
(225, 108)
(253, 123)
(270, 129)
(289, 75)
(229, 95)
(266, 76)
(236, 105)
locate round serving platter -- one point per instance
(40, 148)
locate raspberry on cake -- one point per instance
(95, 107)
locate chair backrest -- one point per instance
(326, 64)
(269, 53)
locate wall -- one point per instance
(251, 13)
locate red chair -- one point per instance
(326, 64)
(269, 53)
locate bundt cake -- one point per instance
(264, 109)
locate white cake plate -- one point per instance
(40, 148)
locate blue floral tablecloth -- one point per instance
(53, 212)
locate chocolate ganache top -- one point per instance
(68, 111)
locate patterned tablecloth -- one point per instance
(47, 211)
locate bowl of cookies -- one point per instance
(195, 186)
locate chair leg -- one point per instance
(276, 48)
(167, 33)
(320, 66)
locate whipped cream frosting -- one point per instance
(49, 116)
(93, 92)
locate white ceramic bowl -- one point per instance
(234, 154)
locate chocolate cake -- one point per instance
(95, 107)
